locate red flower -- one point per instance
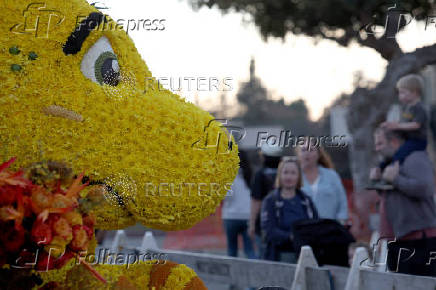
(76, 187)
(25, 258)
(89, 220)
(62, 260)
(45, 262)
(41, 199)
(80, 238)
(12, 178)
(49, 262)
(7, 194)
(11, 238)
(57, 222)
(7, 163)
(89, 231)
(27, 204)
(41, 233)
(8, 213)
(62, 228)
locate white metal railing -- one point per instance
(305, 275)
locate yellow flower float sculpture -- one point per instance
(74, 89)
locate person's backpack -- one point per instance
(328, 239)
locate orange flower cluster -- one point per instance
(41, 220)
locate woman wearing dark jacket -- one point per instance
(281, 208)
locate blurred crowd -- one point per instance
(299, 200)
(279, 205)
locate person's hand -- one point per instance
(390, 125)
(375, 174)
(391, 172)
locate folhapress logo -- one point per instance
(38, 20)
(212, 141)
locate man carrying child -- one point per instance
(407, 209)
(412, 125)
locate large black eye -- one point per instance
(100, 63)
(107, 70)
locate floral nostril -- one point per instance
(59, 111)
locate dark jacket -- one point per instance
(271, 212)
(262, 185)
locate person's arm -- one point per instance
(342, 212)
(403, 126)
(419, 118)
(255, 209)
(414, 181)
(314, 209)
(408, 126)
(375, 173)
(269, 225)
(256, 201)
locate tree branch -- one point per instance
(388, 48)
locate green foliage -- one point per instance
(339, 20)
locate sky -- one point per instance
(207, 44)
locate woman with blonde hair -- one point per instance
(281, 208)
(322, 183)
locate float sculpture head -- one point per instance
(74, 89)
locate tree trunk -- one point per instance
(368, 108)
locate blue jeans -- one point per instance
(409, 146)
(234, 228)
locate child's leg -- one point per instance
(409, 146)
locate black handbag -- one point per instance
(328, 239)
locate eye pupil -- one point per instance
(107, 69)
(110, 72)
